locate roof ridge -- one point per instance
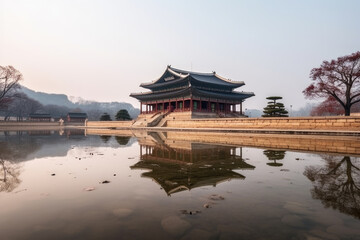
(191, 72)
(208, 74)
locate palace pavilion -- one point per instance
(184, 91)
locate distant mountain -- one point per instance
(48, 98)
(92, 108)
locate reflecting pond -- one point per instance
(148, 185)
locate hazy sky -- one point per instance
(102, 50)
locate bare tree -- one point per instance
(21, 106)
(9, 81)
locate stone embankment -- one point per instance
(299, 125)
(12, 125)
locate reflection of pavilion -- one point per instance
(181, 165)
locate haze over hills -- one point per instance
(58, 105)
(92, 108)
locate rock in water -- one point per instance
(89, 189)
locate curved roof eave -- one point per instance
(143, 96)
(151, 86)
(232, 96)
(216, 81)
(228, 80)
(168, 69)
(247, 93)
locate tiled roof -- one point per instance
(77, 115)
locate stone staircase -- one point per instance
(144, 120)
(155, 120)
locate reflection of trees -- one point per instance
(15, 147)
(273, 155)
(9, 176)
(337, 184)
(122, 140)
(105, 138)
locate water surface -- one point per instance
(68, 185)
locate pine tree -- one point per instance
(122, 115)
(275, 109)
(105, 117)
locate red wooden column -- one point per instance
(163, 106)
(241, 108)
(183, 108)
(191, 104)
(156, 107)
(140, 107)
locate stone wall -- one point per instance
(109, 124)
(10, 125)
(300, 123)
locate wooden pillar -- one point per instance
(140, 107)
(163, 106)
(241, 108)
(183, 108)
(191, 104)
